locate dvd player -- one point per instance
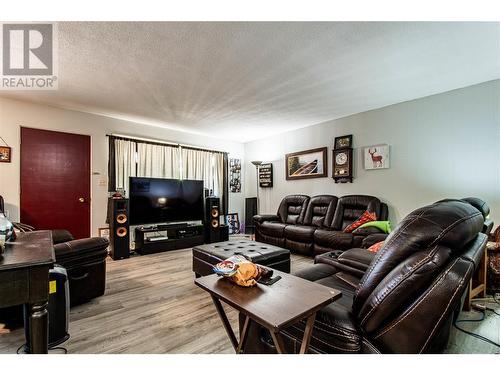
(157, 238)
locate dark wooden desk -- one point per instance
(275, 307)
(24, 279)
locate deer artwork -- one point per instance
(376, 160)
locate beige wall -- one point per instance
(445, 145)
(14, 114)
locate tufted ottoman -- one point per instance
(205, 256)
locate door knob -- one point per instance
(81, 200)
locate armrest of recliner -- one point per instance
(487, 226)
(373, 239)
(61, 236)
(259, 219)
(359, 259)
(75, 248)
(354, 261)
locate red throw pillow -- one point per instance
(365, 218)
(376, 247)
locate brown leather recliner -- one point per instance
(311, 226)
(405, 301)
(84, 260)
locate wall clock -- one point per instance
(342, 165)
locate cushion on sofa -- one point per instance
(292, 209)
(376, 247)
(320, 210)
(273, 229)
(384, 226)
(300, 233)
(363, 219)
(333, 239)
(351, 207)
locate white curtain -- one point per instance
(157, 161)
(125, 162)
(204, 165)
(218, 175)
(197, 165)
(135, 158)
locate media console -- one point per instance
(157, 238)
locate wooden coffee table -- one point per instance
(275, 307)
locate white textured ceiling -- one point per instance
(242, 81)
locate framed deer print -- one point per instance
(376, 157)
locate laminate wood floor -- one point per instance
(151, 305)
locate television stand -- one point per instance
(158, 238)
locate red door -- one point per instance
(55, 181)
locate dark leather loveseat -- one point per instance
(405, 299)
(312, 226)
(357, 260)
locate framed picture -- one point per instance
(5, 154)
(376, 157)
(235, 175)
(103, 232)
(266, 175)
(234, 223)
(343, 142)
(306, 164)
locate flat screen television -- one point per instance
(159, 200)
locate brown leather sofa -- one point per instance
(312, 226)
(405, 299)
(358, 260)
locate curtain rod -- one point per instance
(162, 143)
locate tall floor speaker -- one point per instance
(250, 212)
(119, 228)
(214, 230)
